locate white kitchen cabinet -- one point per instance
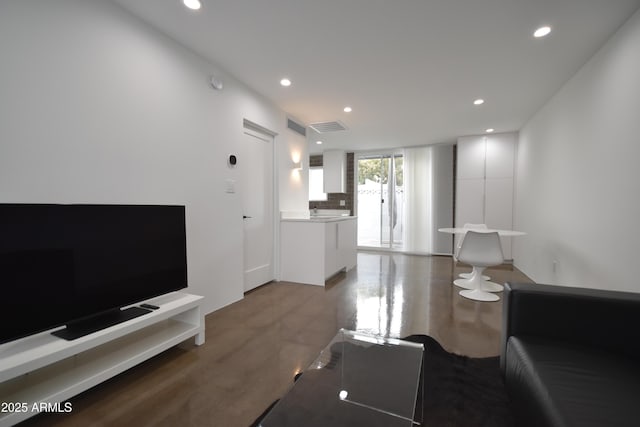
(334, 164)
(331, 258)
(313, 250)
(347, 251)
(484, 182)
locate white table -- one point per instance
(471, 282)
(501, 233)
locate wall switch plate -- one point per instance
(343, 202)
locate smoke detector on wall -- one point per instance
(216, 83)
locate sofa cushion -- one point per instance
(551, 383)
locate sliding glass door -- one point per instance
(380, 200)
(403, 198)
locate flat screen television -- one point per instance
(77, 265)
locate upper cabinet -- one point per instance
(334, 163)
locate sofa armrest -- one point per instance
(592, 317)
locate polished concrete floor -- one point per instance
(255, 347)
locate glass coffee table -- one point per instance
(357, 379)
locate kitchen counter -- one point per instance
(312, 249)
(320, 218)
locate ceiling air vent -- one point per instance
(296, 127)
(325, 127)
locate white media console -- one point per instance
(43, 369)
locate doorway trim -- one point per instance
(373, 154)
(254, 128)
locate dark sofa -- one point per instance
(571, 356)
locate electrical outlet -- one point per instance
(554, 266)
(343, 202)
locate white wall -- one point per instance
(578, 180)
(98, 107)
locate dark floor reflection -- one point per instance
(255, 346)
(398, 295)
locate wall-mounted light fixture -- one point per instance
(296, 160)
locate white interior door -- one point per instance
(256, 165)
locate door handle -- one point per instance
(245, 217)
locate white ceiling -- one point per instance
(409, 68)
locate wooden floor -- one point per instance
(254, 347)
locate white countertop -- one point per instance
(319, 218)
(318, 215)
(462, 230)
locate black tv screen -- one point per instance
(60, 263)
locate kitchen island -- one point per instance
(313, 249)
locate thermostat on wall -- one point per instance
(216, 83)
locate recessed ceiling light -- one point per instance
(542, 31)
(490, 130)
(192, 4)
(285, 82)
(348, 109)
(318, 142)
(478, 102)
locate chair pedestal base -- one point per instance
(463, 283)
(491, 287)
(478, 295)
(470, 275)
(483, 285)
(477, 280)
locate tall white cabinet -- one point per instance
(485, 182)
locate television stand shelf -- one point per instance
(40, 371)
